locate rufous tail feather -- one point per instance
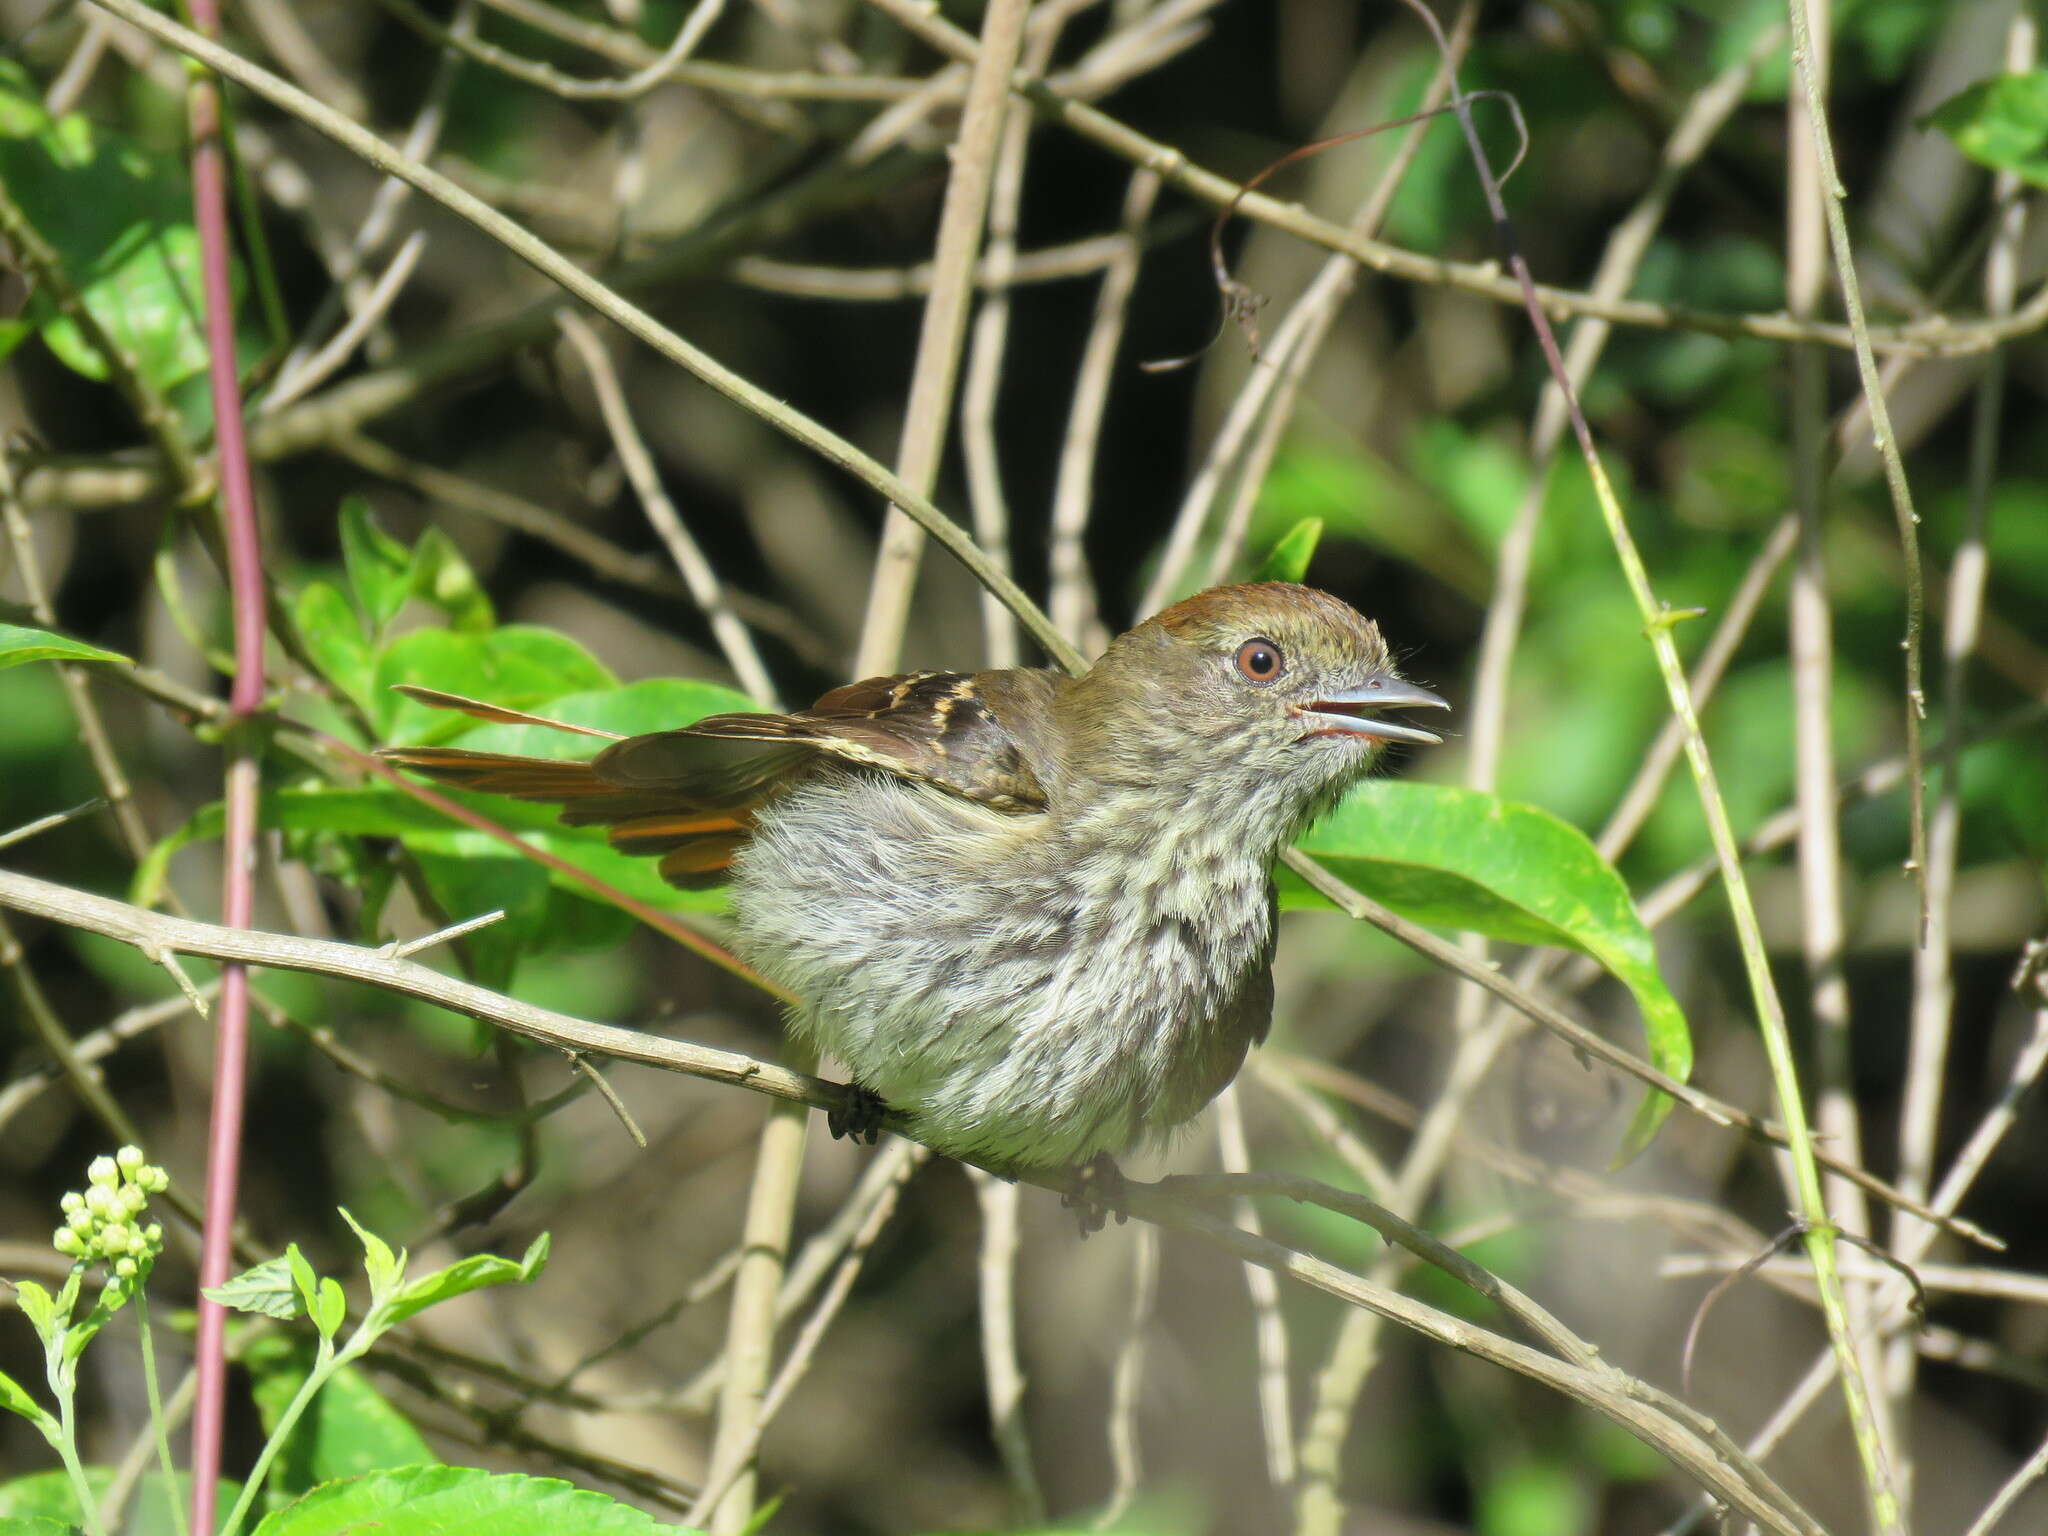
(695, 842)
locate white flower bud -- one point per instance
(129, 1159)
(115, 1237)
(133, 1198)
(153, 1234)
(153, 1179)
(69, 1243)
(99, 1201)
(124, 1269)
(80, 1221)
(72, 1201)
(103, 1172)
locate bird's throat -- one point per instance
(1178, 857)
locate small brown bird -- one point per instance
(1033, 914)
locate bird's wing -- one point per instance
(941, 728)
(688, 796)
(694, 821)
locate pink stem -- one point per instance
(245, 589)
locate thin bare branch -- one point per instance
(696, 571)
(1823, 933)
(995, 273)
(1807, 65)
(1002, 1368)
(665, 66)
(1127, 1380)
(729, 1461)
(928, 405)
(1933, 999)
(1486, 716)
(1269, 1326)
(983, 382)
(2028, 1473)
(1638, 1408)
(1073, 606)
(296, 382)
(1269, 386)
(147, 930)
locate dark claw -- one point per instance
(1096, 1193)
(859, 1115)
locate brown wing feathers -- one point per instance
(695, 833)
(935, 726)
(523, 778)
(688, 795)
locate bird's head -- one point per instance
(1270, 690)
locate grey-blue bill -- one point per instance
(1345, 711)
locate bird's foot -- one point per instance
(859, 1115)
(1096, 1193)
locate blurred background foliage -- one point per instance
(1409, 440)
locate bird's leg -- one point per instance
(1096, 1193)
(858, 1115)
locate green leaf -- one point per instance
(21, 106)
(304, 1279)
(49, 1497)
(87, 1328)
(1288, 560)
(146, 296)
(330, 1310)
(38, 1306)
(19, 645)
(1534, 1498)
(2001, 123)
(118, 1291)
(385, 1268)
(441, 576)
(13, 333)
(348, 1429)
(380, 568)
(1457, 858)
(14, 1398)
(333, 637)
(517, 665)
(442, 1501)
(267, 1291)
(120, 221)
(474, 1273)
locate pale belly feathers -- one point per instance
(1024, 1003)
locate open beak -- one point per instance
(1345, 712)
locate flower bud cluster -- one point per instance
(106, 1222)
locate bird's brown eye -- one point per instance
(1260, 661)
